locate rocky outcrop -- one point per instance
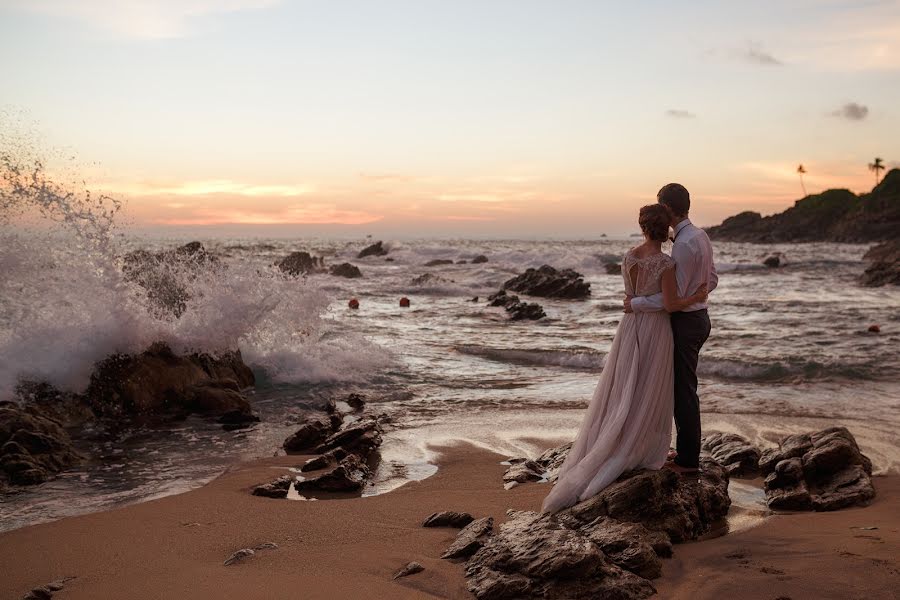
(360, 438)
(324, 461)
(448, 518)
(832, 216)
(480, 259)
(376, 249)
(544, 466)
(822, 470)
(345, 270)
(350, 475)
(548, 282)
(470, 538)
(158, 382)
(33, 448)
(430, 279)
(518, 310)
(734, 452)
(301, 263)
(277, 488)
(409, 569)
(774, 260)
(884, 265)
(522, 472)
(438, 262)
(311, 433)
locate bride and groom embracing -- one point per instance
(651, 370)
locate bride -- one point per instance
(628, 424)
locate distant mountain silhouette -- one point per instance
(832, 216)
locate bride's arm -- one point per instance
(671, 301)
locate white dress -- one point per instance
(628, 424)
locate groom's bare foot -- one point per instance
(673, 454)
(673, 466)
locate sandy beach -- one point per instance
(175, 546)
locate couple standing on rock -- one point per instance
(651, 371)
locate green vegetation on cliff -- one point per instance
(832, 216)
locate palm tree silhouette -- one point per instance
(801, 171)
(876, 166)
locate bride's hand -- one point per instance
(700, 294)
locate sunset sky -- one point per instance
(484, 118)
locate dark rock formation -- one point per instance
(480, 259)
(524, 471)
(448, 518)
(822, 470)
(33, 447)
(301, 263)
(243, 553)
(832, 216)
(630, 546)
(548, 282)
(277, 488)
(429, 279)
(613, 268)
(311, 433)
(470, 539)
(158, 382)
(544, 466)
(355, 401)
(360, 438)
(376, 249)
(324, 461)
(553, 458)
(774, 260)
(535, 556)
(884, 267)
(350, 475)
(734, 452)
(518, 310)
(346, 270)
(409, 569)
(438, 262)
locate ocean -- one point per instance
(789, 351)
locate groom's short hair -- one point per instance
(676, 197)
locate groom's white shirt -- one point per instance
(694, 266)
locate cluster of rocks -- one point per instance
(376, 249)
(518, 310)
(45, 592)
(346, 445)
(33, 447)
(544, 467)
(303, 263)
(164, 275)
(822, 470)
(734, 452)
(548, 282)
(430, 279)
(609, 546)
(884, 265)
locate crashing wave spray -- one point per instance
(66, 302)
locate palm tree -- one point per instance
(876, 166)
(801, 171)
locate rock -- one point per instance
(410, 569)
(438, 262)
(356, 401)
(448, 518)
(158, 381)
(613, 268)
(430, 279)
(517, 309)
(33, 448)
(480, 259)
(874, 329)
(553, 458)
(503, 299)
(376, 249)
(220, 397)
(360, 438)
(275, 489)
(301, 263)
(239, 556)
(630, 546)
(39, 593)
(734, 452)
(462, 262)
(534, 556)
(313, 432)
(683, 507)
(346, 270)
(350, 475)
(324, 461)
(470, 539)
(773, 261)
(884, 265)
(523, 472)
(548, 282)
(822, 470)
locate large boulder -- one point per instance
(439, 262)
(345, 270)
(823, 470)
(448, 518)
(517, 310)
(535, 556)
(548, 282)
(33, 447)
(159, 382)
(360, 438)
(301, 263)
(470, 538)
(480, 259)
(884, 265)
(311, 433)
(376, 249)
(739, 457)
(350, 475)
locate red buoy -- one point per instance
(874, 329)
(354, 303)
(404, 302)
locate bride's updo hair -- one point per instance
(654, 220)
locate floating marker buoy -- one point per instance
(354, 303)
(874, 329)
(404, 302)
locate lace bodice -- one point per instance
(643, 276)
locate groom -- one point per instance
(693, 256)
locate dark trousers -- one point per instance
(689, 331)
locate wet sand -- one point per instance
(174, 547)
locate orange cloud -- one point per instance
(310, 214)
